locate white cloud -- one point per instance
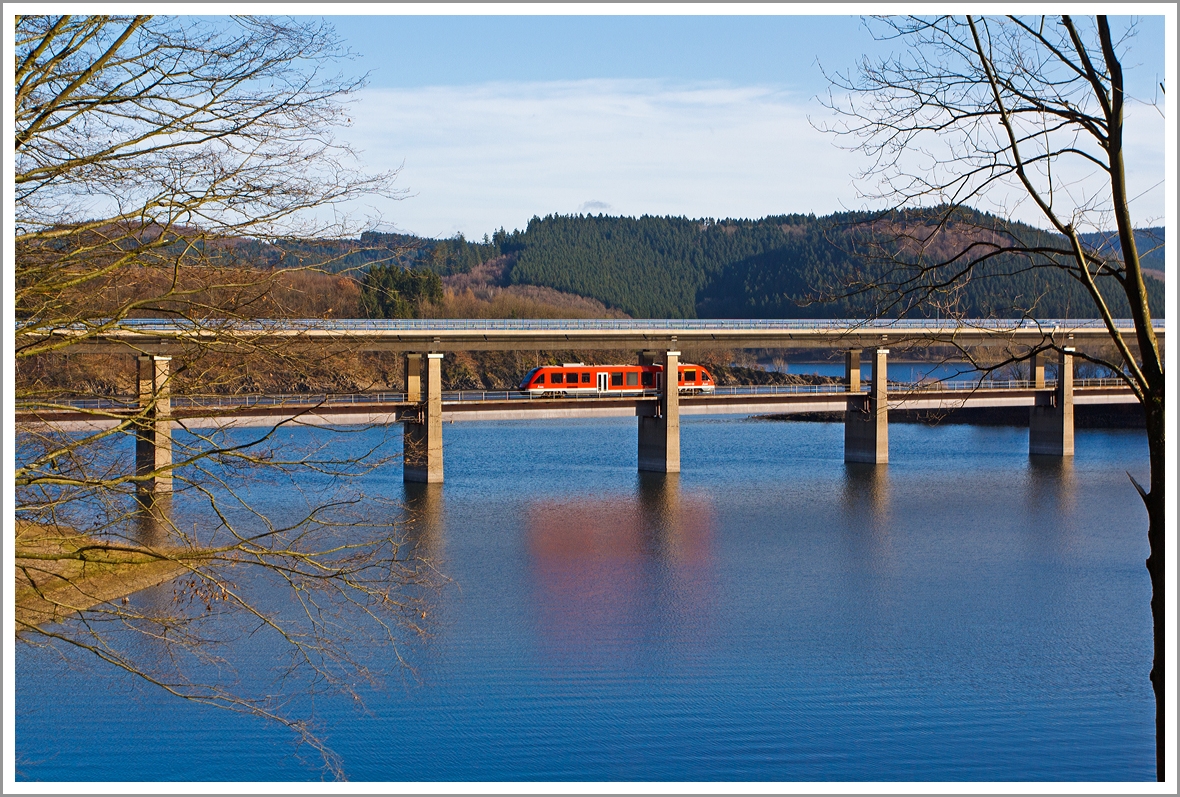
(484, 156)
(480, 157)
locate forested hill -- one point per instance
(776, 267)
(792, 266)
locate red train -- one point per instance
(578, 378)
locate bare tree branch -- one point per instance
(155, 158)
(1006, 110)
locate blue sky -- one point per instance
(495, 119)
(428, 51)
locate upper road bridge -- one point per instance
(423, 406)
(164, 337)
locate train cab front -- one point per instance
(533, 380)
(695, 379)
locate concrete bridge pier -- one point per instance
(866, 420)
(659, 436)
(1036, 370)
(153, 433)
(1050, 422)
(422, 450)
(852, 370)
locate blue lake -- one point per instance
(898, 371)
(906, 371)
(772, 614)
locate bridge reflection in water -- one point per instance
(153, 521)
(425, 526)
(866, 492)
(1052, 485)
(602, 567)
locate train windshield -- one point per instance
(524, 383)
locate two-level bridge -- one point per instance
(424, 406)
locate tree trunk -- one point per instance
(1154, 500)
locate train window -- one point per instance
(585, 377)
(557, 379)
(540, 379)
(690, 376)
(632, 378)
(616, 379)
(647, 379)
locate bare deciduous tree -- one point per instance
(153, 155)
(982, 111)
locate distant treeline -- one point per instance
(794, 266)
(800, 267)
(443, 256)
(397, 292)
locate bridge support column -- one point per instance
(659, 436)
(422, 449)
(852, 370)
(1036, 370)
(866, 421)
(1050, 425)
(153, 434)
(413, 368)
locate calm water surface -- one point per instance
(898, 371)
(964, 613)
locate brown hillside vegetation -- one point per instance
(209, 292)
(482, 293)
(200, 292)
(217, 292)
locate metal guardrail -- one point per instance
(288, 399)
(460, 396)
(172, 326)
(231, 401)
(1002, 384)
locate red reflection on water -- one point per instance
(611, 571)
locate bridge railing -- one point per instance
(999, 384)
(174, 326)
(460, 396)
(232, 401)
(288, 399)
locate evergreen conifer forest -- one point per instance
(791, 266)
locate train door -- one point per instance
(602, 386)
